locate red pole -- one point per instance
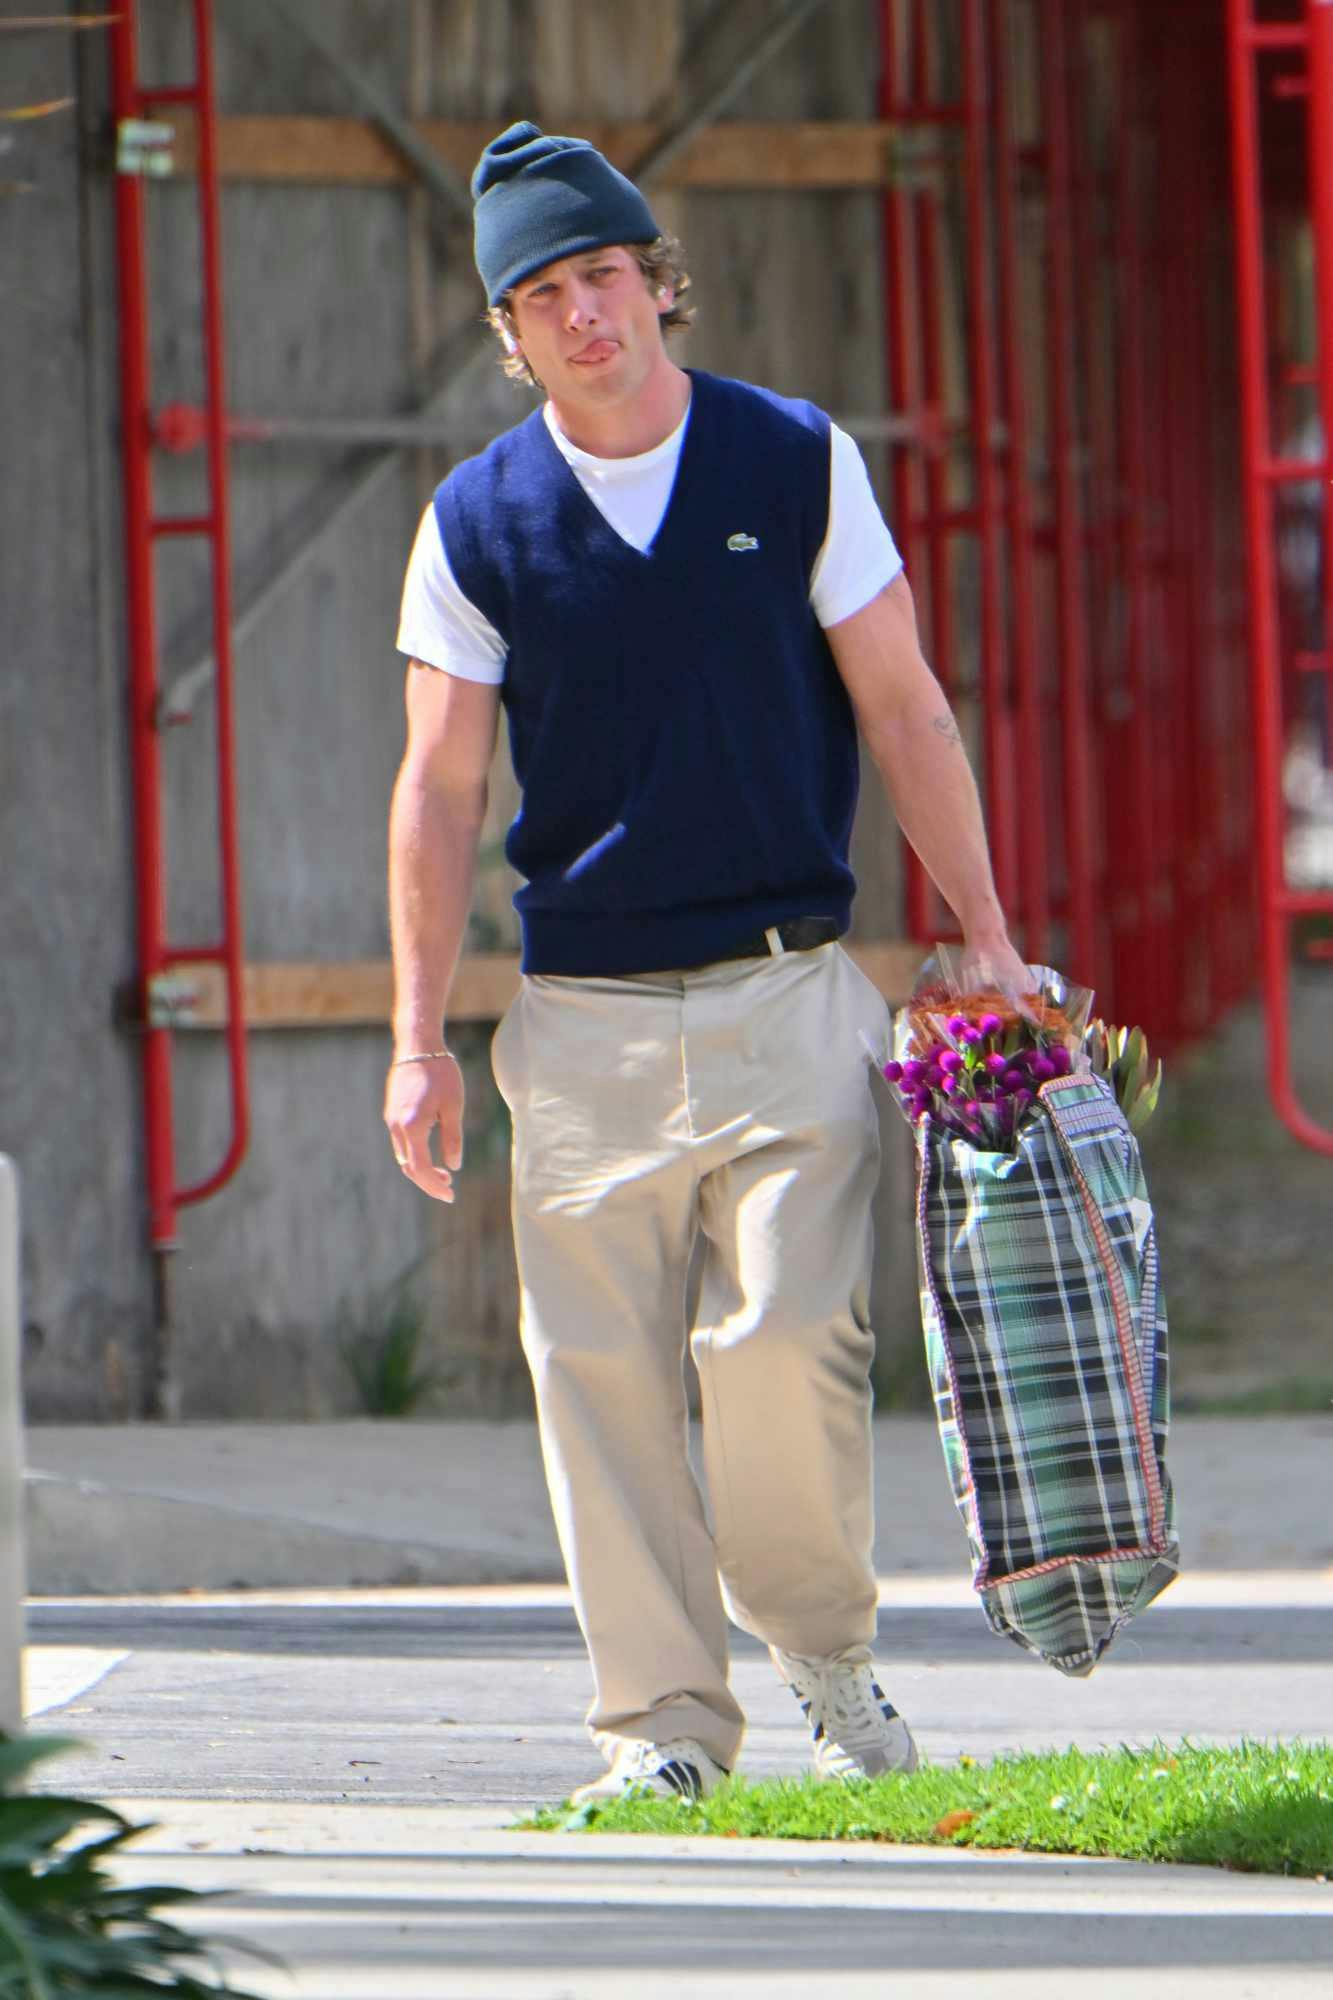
(1029, 760)
(1195, 655)
(216, 447)
(996, 761)
(1321, 183)
(902, 394)
(1075, 716)
(145, 753)
(933, 445)
(904, 347)
(143, 528)
(1131, 830)
(1265, 661)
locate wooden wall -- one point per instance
(338, 295)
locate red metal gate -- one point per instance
(1283, 55)
(1057, 339)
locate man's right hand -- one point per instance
(419, 1096)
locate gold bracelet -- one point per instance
(426, 1055)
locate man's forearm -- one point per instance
(920, 755)
(432, 855)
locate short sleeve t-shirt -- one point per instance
(441, 627)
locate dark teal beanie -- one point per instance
(539, 197)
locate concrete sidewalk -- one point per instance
(290, 1739)
(394, 1905)
(145, 1508)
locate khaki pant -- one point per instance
(735, 1101)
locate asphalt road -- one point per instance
(349, 1768)
(476, 1698)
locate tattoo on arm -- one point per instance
(947, 728)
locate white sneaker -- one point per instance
(857, 1731)
(679, 1769)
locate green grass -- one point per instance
(1263, 1808)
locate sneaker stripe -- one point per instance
(682, 1777)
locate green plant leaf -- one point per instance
(19, 1754)
(14, 1931)
(1146, 1102)
(32, 1826)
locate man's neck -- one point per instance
(626, 430)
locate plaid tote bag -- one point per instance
(1045, 1335)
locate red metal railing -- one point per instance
(132, 102)
(1067, 466)
(1266, 471)
(1071, 579)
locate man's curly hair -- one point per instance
(663, 265)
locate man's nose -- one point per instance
(582, 307)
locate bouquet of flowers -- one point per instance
(1041, 1301)
(975, 1060)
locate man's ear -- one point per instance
(665, 297)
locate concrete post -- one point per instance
(12, 1582)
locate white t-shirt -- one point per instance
(442, 628)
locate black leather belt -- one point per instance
(797, 934)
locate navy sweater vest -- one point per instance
(685, 746)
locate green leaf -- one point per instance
(1131, 1075)
(1146, 1103)
(32, 1827)
(19, 1754)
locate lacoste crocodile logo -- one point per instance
(736, 542)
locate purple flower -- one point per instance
(950, 1085)
(934, 1076)
(950, 1062)
(1061, 1058)
(990, 1024)
(1043, 1069)
(1013, 1079)
(997, 1064)
(1023, 1097)
(913, 1072)
(957, 1024)
(893, 1072)
(970, 1035)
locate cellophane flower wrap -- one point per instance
(1042, 1306)
(974, 1058)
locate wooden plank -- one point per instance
(353, 993)
(359, 992)
(823, 153)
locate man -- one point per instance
(683, 592)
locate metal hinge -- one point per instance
(173, 999)
(143, 146)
